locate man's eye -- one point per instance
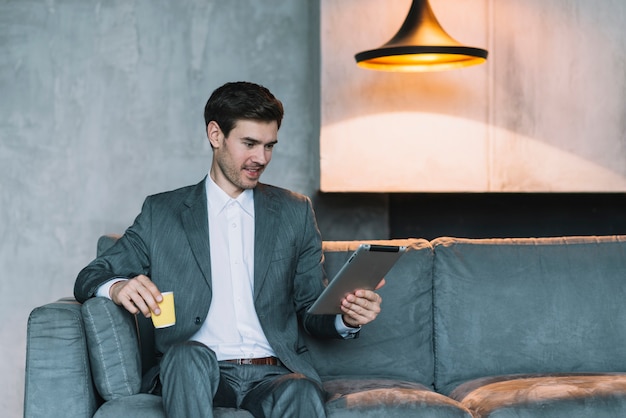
(269, 146)
(248, 144)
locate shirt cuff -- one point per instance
(345, 331)
(103, 290)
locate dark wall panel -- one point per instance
(492, 215)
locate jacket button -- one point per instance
(198, 321)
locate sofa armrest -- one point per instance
(113, 348)
(58, 375)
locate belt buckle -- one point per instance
(245, 361)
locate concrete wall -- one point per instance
(101, 103)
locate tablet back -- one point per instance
(365, 268)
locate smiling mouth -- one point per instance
(253, 172)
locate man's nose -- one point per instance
(261, 155)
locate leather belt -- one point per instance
(263, 361)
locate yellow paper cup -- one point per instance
(167, 317)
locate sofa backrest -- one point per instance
(507, 306)
(398, 344)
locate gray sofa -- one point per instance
(470, 328)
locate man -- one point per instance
(244, 261)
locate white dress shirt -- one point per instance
(232, 328)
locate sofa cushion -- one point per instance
(113, 348)
(509, 306)
(360, 398)
(398, 344)
(579, 395)
(144, 405)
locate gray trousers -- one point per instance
(193, 382)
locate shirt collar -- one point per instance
(217, 199)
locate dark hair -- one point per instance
(242, 100)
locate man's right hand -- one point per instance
(138, 294)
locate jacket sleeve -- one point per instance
(310, 278)
(127, 258)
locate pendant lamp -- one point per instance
(421, 44)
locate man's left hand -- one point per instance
(361, 307)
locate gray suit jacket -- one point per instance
(169, 242)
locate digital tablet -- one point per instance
(365, 268)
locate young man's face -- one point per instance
(240, 158)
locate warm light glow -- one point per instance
(403, 152)
(421, 44)
(381, 153)
(421, 62)
(540, 125)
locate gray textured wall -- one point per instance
(101, 104)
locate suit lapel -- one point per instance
(266, 217)
(195, 223)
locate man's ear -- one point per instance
(214, 134)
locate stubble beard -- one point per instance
(237, 176)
